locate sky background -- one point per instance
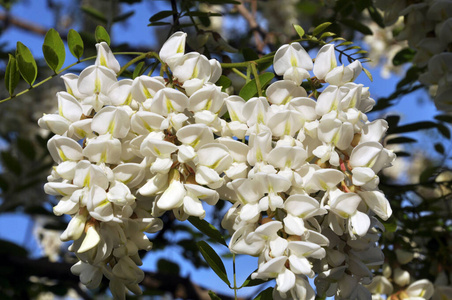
(18, 227)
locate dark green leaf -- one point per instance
(208, 229)
(213, 260)
(213, 296)
(167, 267)
(444, 130)
(53, 50)
(102, 35)
(356, 25)
(412, 127)
(123, 16)
(299, 30)
(26, 63)
(75, 43)
(401, 140)
(161, 15)
(11, 163)
(98, 15)
(402, 154)
(403, 56)
(26, 147)
(252, 282)
(205, 14)
(393, 120)
(249, 90)
(224, 82)
(4, 185)
(161, 23)
(444, 118)
(266, 294)
(439, 148)
(368, 74)
(221, 1)
(321, 28)
(138, 70)
(249, 54)
(427, 174)
(390, 225)
(12, 75)
(8, 248)
(376, 16)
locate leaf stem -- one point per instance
(235, 279)
(138, 58)
(256, 78)
(246, 63)
(238, 72)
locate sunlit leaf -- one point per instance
(321, 28)
(102, 35)
(26, 63)
(368, 74)
(53, 50)
(299, 30)
(75, 43)
(249, 90)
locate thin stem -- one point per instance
(138, 58)
(235, 279)
(47, 79)
(246, 63)
(256, 78)
(236, 71)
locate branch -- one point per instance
(22, 24)
(179, 287)
(253, 26)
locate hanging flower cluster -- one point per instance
(301, 171)
(428, 30)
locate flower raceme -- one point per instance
(301, 172)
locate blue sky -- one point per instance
(16, 227)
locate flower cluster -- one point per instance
(301, 171)
(306, 202)
(428, 30)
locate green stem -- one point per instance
(138, 58)
(72, 65)
(237, 71)
(47, 79)
(246, 63)
(235, 279)
(256, 78)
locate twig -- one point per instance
(253, 26)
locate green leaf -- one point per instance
(98, 15)
(253, 282)
(326, 34)
(249, 90)
(27, 64)
(403, 56)
(167, 267)
(11, 163)
(427, 174)
(368, 74)
(221, 1)
(346, 43)
(214, 261)
(357, 26)
(376, 16)
(439, 148)
(4, 186)
(266, 294)
(53, 50)
(205, 14)
(412, 127)
(102, 35)
(249, 54)
(213, 296)
(161, 15)
(12, 75)
(75, 43)
(208, 229)
(321, 28)
(444, 118)
(401, 140)
(162, 23)
(299, 30)
(390, 225)
(123, 16)
(138, 70)
(224, 82)
(443, 130)
(26, 147)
